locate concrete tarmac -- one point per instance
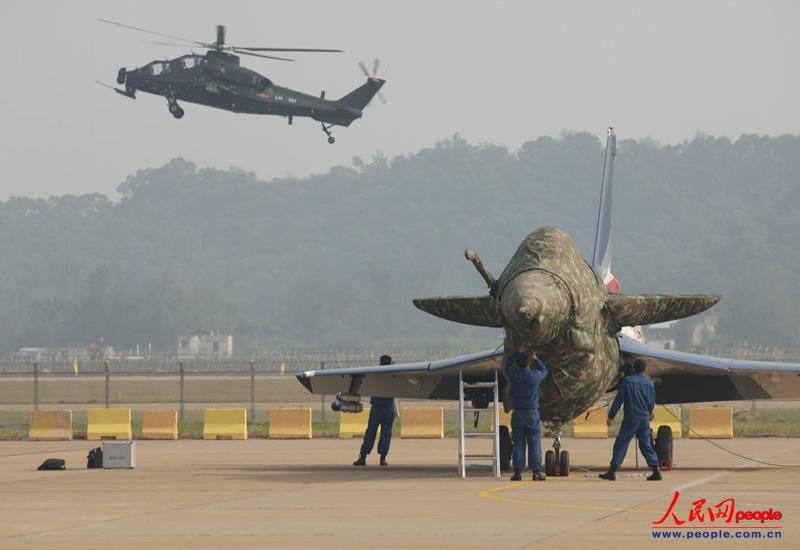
(305, 494)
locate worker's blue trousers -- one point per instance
(526, 433)
(383, 418)
(639, 427)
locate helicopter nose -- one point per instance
(122, 75)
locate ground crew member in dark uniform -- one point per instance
(638, 394)
(525, 372)
(381, 413)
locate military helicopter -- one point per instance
(217, 79)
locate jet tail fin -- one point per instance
(646, 309)
(482, 311)
(361, 96)
(601, 260)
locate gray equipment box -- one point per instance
(119, 454)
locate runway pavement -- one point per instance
(305, 494)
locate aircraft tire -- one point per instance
(505, 449)
(550, 463)
(178, 113)
(563, 464)
(664, 443)
(331, 140)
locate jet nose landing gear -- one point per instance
(556, 461)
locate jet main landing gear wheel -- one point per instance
(663, 445)
(505, 449)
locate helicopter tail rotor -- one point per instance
(373, 76)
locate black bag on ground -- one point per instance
(95, 458)
(53, 464)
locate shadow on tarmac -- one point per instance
(345, 473)
(335, 473)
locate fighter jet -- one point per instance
(548, 298)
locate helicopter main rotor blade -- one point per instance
(287, 49)
(140, 29)
(241, 52)
(168, 44)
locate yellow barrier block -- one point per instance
(50, 426)
(160, 424)
(664, 417)
(353, 425)
(109, 424)
(711, 422)
(225, 424)
(422, 423)
(591, 424)
(290, 423)
(505, 417)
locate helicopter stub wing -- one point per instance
(131, 94)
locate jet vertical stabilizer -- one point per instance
(601, 260)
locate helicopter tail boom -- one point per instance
(361, 96)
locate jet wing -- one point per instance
(423, 380)
(690, 378)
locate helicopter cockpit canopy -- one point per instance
(188, 61)
(157, 68)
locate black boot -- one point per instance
(610, 475)
(517, 475)
(383, 460)
(362, 460)
(656, 475)
(538, 476)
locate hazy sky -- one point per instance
(504, 72)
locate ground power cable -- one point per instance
(720, 447)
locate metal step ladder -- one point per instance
(463, 457)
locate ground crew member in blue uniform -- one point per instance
(638, 394)
(381, 413)
(525, 372)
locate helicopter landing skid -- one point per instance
(327, 129)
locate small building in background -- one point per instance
(694, 334)
(661, 335)
(205, 344)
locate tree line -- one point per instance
(333, 260)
